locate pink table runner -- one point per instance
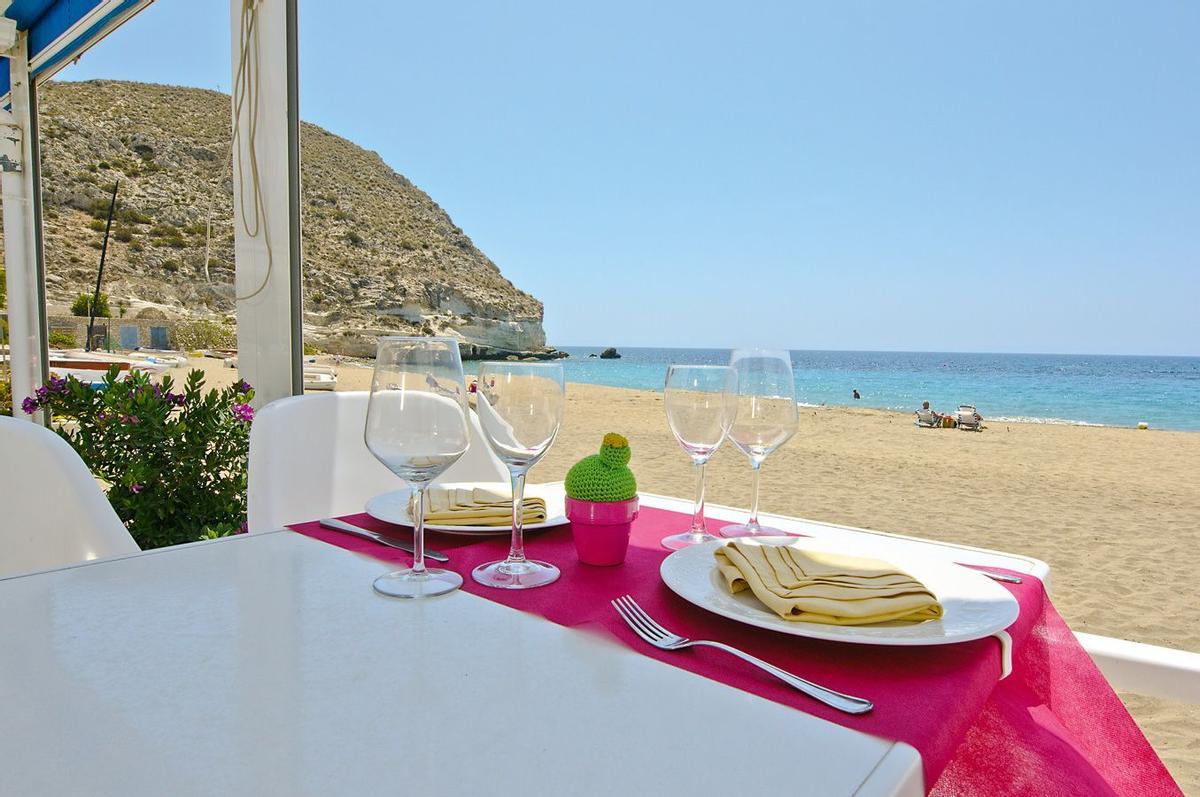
(1054, 727)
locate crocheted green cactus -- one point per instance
(603, 477)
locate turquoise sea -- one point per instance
(1042, 388)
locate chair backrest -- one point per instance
(54, 512)
(308, 460)
(925, 416)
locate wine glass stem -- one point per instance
(516, 553)
(755, 465)
(418, 566)
(698, 526)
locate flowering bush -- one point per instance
(175, 462)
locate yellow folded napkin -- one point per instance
(822, 587)
(476, 506)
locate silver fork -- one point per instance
(649, 630)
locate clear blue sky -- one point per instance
(877, 175)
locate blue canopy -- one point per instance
(61, 30)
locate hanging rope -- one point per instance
(245, 97)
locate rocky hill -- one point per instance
(380, 256)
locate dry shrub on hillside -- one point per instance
(202, 334)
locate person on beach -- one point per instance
(856, 394)
(935, 417)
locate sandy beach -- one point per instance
(1115, 512)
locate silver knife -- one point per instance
(366, 534)
(992, 574)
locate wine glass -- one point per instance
(701, 403)
(417, 427)
(766, 418)
(520, 408)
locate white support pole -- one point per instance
(22, 218)
(266, 196)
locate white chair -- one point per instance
(927, 420)
(968, 418)
(54, 512)
(308, 461)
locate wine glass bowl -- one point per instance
(520, 410)
(520, 407)
(417, 427)
(701, 406)
(402, 448)
(766, 419)
(764, 424)
(701, 403)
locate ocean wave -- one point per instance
(1033, 419)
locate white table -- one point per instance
(265, 665)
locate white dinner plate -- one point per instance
(974, 605)
(393, 508)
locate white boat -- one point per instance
(159, 358)
(90, 367)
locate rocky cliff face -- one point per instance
(380, 256)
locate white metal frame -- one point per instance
(19, 159)
(266, 196)
(1145, 669)
(67, 37)
(81, 25)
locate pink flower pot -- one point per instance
(601, 529)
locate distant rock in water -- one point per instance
(380, 256)
(473, 351)
(610, 354)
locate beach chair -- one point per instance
(54, 512)
(968, 418)
(319, 377)
(926, 419)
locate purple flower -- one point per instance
(136, 488)
(58, 384)
(244, 528)
(158, 391)
(177, 399)
(131, 419)
(42, 394)
(242, 386)
(243, 412)
(30, 405)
